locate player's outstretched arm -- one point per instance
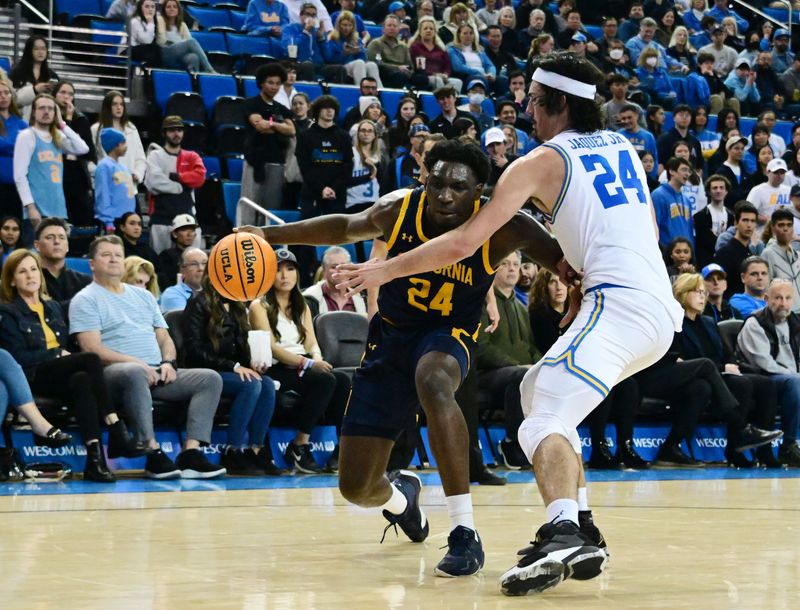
(335, 229)
(537, 175)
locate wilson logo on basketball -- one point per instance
(250, 260)
(242, 267)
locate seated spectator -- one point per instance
(323, 296)
(547, 307)
(11, 124)
(398, 132)
(446, 98)
(717, 306)
(790, 82)
(768, 342)
(731, 256)
(507, 115)
(629, 119)
(114, 189)
(772, 194)
(770, 88)
(679, 257)
(77, 184)
(183, 231)
(510, 41)
(713, 220)
(346, 48)
(505, 355)
(128, 227)
(367, 87)
(52, 243)
(369, 168)
(700, 339)
(755, 278)
(407, 168)
(39, 161)
(654, 79)
(352, 7)
(35, 332)
(392, 56)
(141, 273)
(178, 49)
(10, 233)
(500, 159)
(645, 40)
(297, 362)
(720, 94)
(655, 120)
(673, 214)
(734, 171)
(114, 113)
(144, 27)
(742, 83)
(650, 168)
(527, 273)
(32, 75)
(371, 110)
(618, 86)
(756, 160)
(782, 56)
(172, 176)
(782, 258)
(296, 12)
(767, 120)
(512, 139)
(725, 57)
(193, 263)
(429, 55)
(541, 45)
(121, 10)
(488, 14)
(458, 15)
(287, 91)
(267, 18)
(215, 333)
(123, 325)
(469, 60)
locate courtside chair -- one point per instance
(213, 167)
(67, 9)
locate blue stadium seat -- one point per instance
(240, 45)
(167, 82)
(746, 124)
(595, 31)
(347, 95)
(429, 105)
(237, 19)
(115, 36)
(80, 265)
(250, 89)
(231, 191)
(390, 100)
(213, 167)
(212, 86)
(312, 90)
(784, 130)
(668, 122)
(712, 122)
(105, 5)
(70, 8)
(375, 31)
(287, 215)
(5, 64)
(210, 17)
(235, 165)
(211, 41)
(488, 106)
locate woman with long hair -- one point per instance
(114, 113)
(297, 362)
(763, 155)
(398, 133)
(369, 168)
(681, 49)
(142, 274)
(541, 45)
(178, 49)
(77, 183)
(709, 140)
(128, 228)
(547, 306)
(650, 168)
(507, 22)
(429, 55)
(727, 118)
(32, 75)
(694, 15)
(655, 119)
(215, 332)
(11, 124)
(458, 16)
(469, 60)
(346, 48)
(666, 28)
(36, 334)
(144, 33)
(10, 234)
(679, 257)
(733, 38)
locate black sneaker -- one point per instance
(299, 458)
(194, 465)
(559, 552)
(737, 460)
(512, 455)
(464, 554)
(602, 459)
(264, 462)
(766, 457)
(591, 531)
(159, 466)
(412, 520)
(332, 465)
(790, 455)
(671, 456)
(237, 462)
(120, 444)
(626, 454)
(752, 437)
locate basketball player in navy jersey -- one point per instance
(421, 341)
(592, 187)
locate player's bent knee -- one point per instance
(357, 489)
(536, 428)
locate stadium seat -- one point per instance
(167, 82)
(669, 123)
(249, 87)
(195, 136)
(347, 95)
(228, 110)
(112, 41)
(241, 45)
(784, 130)
(287, 215)
(5, 64)
(390, 100)
(728, 332)
(746, 124)
(213, 167)
(223, 63)
(231, 191)
(211, 41)
(69, 8)
(429, 105)
(188, 106)
(80, 265)
(712, 122)
(375, 31)
(237, 19)
(210, 17)
(234, 165)
(312, 90)
(342, 337)
(251, 63)
(229, 140)
(213, 86)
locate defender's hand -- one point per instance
(355, 277)
(250, 229)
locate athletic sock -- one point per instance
(563, 509)
(583, 499)
(459, 509)
(397, 503)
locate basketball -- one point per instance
(242, 267)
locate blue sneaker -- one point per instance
(464, 554)
(412, 520)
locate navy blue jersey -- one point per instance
(452, 296)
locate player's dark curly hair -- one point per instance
(458, 152)
(585, 115)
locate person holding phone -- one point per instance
(32, 75)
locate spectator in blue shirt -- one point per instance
(11, 123)
(630, 27)
(782, 56)
(350, 5)
(755, 277)
(304, 42)
(742, 82)
(654, 79)
(637, 44)
(673, 214)
(469, 60)
(721, 10)
(192, 266)
(115, 193)
(693, 17)
(345, 47)
(267, 18)
(628, 118)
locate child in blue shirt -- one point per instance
(114, 192)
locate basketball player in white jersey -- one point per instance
(591, 185)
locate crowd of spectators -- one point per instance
(727, 206)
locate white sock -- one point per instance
(563, 509)
(397, 503)
(583, 499)
(459, 509)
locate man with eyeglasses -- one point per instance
(184, 231)
(192, 266)
(367, 87)
(172, 175)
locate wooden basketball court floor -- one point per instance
(692, 539)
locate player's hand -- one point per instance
(355, 277)
(494, 315)
(575, 298)
(250, 229)
(567, 274)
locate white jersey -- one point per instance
(361, 193)
(603, 220)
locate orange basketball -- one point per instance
(242, 266)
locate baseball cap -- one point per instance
(183, 220)
(285, 256)
(735, 140)
(743, 63)
(777, 165)
(795, 192)
(717, 28)
(578, 37)
(712, 268)
(781, 33)
(476, 82)
(418, 128)
(396, 6)
(172, 121)
(494, 135)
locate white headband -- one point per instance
(565, 84)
